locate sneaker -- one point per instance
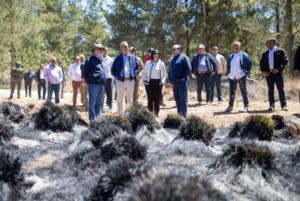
(229, 109)
(284, 108)
(271, 109)
(246, 109)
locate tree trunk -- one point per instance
(290, 35)
(11, 34)
(277, 20)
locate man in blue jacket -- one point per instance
(203, 67)
(180, 68)
(93, 72)
(238, 67)
(272, 64)
(125, 69)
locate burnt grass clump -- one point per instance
(195, 128)
(106, 127)
(173, 121)
(11, 177)
(119, 172)
(55, 118)
(175, 187)
(247, 153)
(124, 145)
(6, 131)
(285, 128)
(14, 112)
(255, 127)
(139, 117)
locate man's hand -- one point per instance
(193, 75)
(275, 71)
(266, 73)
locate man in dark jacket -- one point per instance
(125, 69)
(203, 67)
(16, 76)
(297, 61)
(41, 81)
(180, 68)
(93, 72)
(238, 67)
(28, 78)
(272, 64)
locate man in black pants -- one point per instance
(272, 64)
(28, 78)
(41, 82)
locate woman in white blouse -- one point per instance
(154, 77)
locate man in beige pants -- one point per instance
(125, 69)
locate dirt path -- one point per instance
(213, 113)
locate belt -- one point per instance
(127, 78)
(200, 73)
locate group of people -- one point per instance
(96, 76)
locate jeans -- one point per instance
(243, 88)
(28, 86)
(53, 88)
(96, 99)
(180, 90)
(41, 85)
(216, 81)
(203, 78)
(109, 92)
(277, 79)
(153, 90)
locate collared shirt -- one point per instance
(107, 63)
(202, 64)
(75, 72)
(126, 66)
(42, 74)
(236, 71)
(54, 74)
(271, 57)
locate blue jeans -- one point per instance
(277, 79)
(205, 79)
(53, 88)
(96, 99)
(216, 79)
(109, 92)
(243, 88)
(180, 90)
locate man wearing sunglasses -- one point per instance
(125, 69)
(180, 68)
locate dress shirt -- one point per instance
(126, 66)
(202, 64)
(236, 71)
(271, 58)
(54, 74)
(75, 72)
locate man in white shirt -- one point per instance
(74, 73)
(107, 62)
(238, 67)
(54, 77)
(125, 69)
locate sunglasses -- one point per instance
(175, 49)
(216, 49)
